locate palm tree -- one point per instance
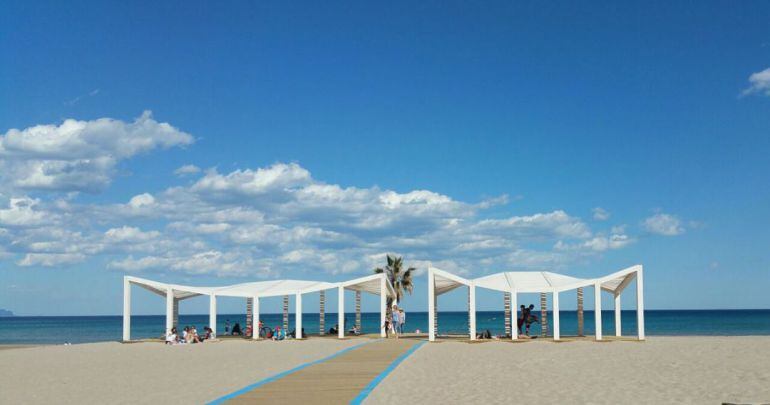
(400, 279)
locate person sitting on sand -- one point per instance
(333, 331)
(237, 329)
(195, 337)
(209, 333)
(279, 334)
(171, 338)
(191, 335)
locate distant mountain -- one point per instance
(5, 312)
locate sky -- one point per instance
(212, 144)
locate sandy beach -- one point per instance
(148, 372)
(660, 370)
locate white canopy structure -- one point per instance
(513, 282)
(376, 284)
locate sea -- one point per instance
(86, 329)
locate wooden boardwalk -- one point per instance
(337, 380)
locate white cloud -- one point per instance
(759, 83)
(600, 214)
(186, 170)
(79, 155)
(50, 259)
(279, 219)
(539, 226)
(129, 234)
(274, 179)
(22, 212)
(663, 224)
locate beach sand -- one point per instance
(148, 372)
(661, 370)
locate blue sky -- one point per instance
(320, 136)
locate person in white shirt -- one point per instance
(171, 338)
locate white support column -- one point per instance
(514, 316)
(383, 305)
(126, 309)
(255, 318)
(213, 313)
(640, 303)
(431, 306)
(169, 309)
(556, 331)
(341, 312)
(598, 310)
(617, 315)
(298, 316)
(472, 309)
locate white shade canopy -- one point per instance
(273, 288)
(544, 282)
(377, 284)
(533, 281)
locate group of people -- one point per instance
(189, 335)
(395, 321)
(525, 320)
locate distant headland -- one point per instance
(5, 312)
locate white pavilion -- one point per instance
(513, 282)
(377, 284)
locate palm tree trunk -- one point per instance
(507, 304)
(358, 310)
(286, 313)
(543, 315)
(580, 311)
(322, 314)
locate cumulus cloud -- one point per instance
(600, 214)
(278, 219)
(663, 224)
(759, 83)
(79, 155)
(22, 212)
(187, 170)
(50, 259)
(130, 234)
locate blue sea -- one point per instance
(83, 329)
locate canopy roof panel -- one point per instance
(370, 284)
(525, 281)
(534, 281)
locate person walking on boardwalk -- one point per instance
(401, 320)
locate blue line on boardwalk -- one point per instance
(278, 376)
(369, 388)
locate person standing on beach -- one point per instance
(396, 322)
(521, 318)
(530, 319)
(227, 327)
(401, 320)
